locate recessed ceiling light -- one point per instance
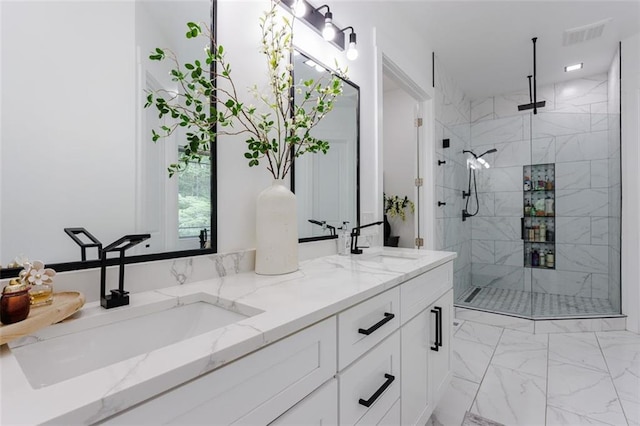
(573, 67)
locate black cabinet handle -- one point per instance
(385, 385)
(438, 312)
(387, 317)
(522, 228)
(439, 325)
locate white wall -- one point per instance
(631, 181)
(68, 78)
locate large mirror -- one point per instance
(327, 185)
(76, 144)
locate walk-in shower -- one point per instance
(540, 235)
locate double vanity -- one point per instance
(344, 340)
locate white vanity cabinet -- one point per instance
(319, 408)
(425, 343)
(383, 361)
(253, 390)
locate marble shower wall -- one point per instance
(452, 115)
(572, 131)
(615, 184)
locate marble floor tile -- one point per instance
(626, 379)
(517, 377)
(557, 417)
(579, 349)
(457, 323)
(480, 333)
(620, 344)
(632, 412)
(583, 391)
(511, 397)
(454, 403)
(470, 359)
(523, 352)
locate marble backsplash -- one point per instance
(159, 274)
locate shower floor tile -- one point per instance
(539, 305)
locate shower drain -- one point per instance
(473, 294)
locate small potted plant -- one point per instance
(395, 207)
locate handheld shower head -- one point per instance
(487, 152)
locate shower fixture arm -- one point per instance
(533, 103)
(535, 84)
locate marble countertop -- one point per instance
(279, 305)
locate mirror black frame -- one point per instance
(293, 163)
(91, 264)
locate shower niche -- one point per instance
(538, 221)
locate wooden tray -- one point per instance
(64, 304)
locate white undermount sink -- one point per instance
(58, 358)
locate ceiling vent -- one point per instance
(584, 33)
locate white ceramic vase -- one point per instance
(276, 230)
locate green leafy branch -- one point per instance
(277, 130)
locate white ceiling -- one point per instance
(486, 45)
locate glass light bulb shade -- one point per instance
(299, 8)
(483, 162)
(329, 31)
(352, 52)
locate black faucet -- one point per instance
(118, 297)
(355, 233)
(332, 229)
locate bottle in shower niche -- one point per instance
(543, 259)
(548, 206)
(535, 258)
(543, 233)
(551, 261)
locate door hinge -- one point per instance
(419, 182)
(419, 242)
(418, 122)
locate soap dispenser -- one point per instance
(344, 240)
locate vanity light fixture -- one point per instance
(573, 67)
(320, 19)
(328, 30)
(299, 8)
(352, 49)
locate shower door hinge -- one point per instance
(419, 242)
(419, 182)
(418, 122)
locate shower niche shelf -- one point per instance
(538, 220)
